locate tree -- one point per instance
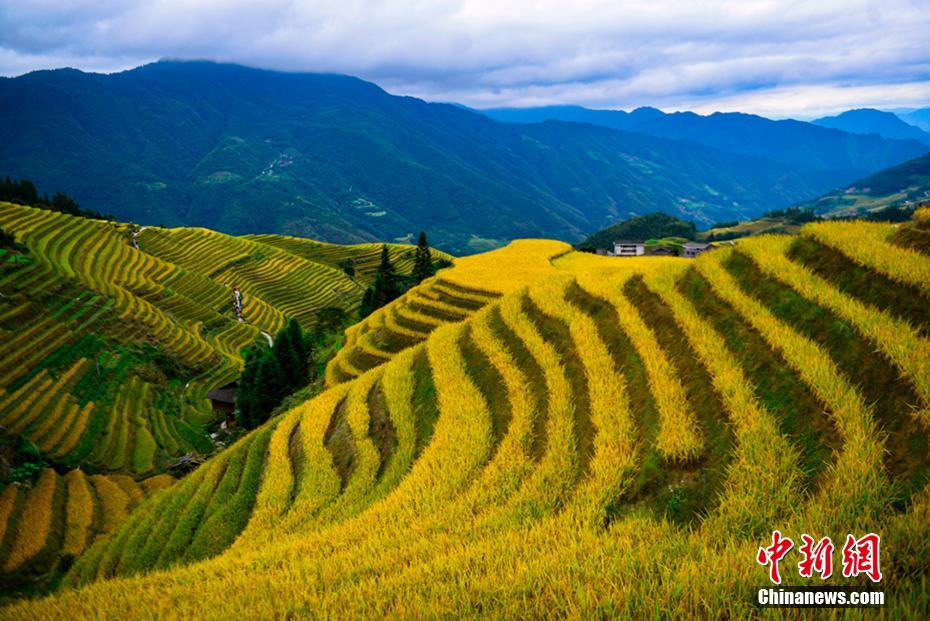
(290, 352)
(423, 261)
(389, 287)
(301, 351)
(384, 289)
(269, 389)
(245, 392)
(368, 305)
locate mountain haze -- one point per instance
(332, 157)
(833, 157)
(869, 121)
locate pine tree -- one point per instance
(301, 351)
(289, 351)
(245, 391)
(368, 305)
(388, 289)
(423, 262)
(269, 390)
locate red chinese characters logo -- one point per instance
(860, 556)
(817, 557)
(773, 554)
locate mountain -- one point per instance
(869, 121)
(836, 157)
(906, 185)
(533, 419)
(918, 118)
(331, 157)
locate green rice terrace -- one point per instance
(111, 337)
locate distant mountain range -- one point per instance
(907, 184)
(835, 155)
(335, 158)
(869, 121)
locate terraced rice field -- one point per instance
(61, 516)
(364, 258)
(108, 352)
(543, 433)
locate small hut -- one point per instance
(223, 399)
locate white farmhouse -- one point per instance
(626, 248)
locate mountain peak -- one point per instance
(872, 121)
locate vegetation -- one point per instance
(108, 352)
(640, 228)
(45, 525)
(793, 215)
(902, 187)
(388, 285)
(24, 192)
(334, 158)
(271, 374)
(571, 419)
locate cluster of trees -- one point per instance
(389, 285)
(793, 215)
(650, 226)
(24, 192)
(271, 374)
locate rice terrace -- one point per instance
(464, 310)
(527, 421)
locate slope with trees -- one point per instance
(334, 158)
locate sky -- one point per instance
(778, 58)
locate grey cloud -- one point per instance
(488, 52)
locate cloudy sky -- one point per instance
(778, 57)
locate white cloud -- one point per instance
(774, 57)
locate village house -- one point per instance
(626, 248)
(663, 251)
(693, 249)
(223, 399)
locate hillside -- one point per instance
(869, 121)
(108, 353)
(640, 228)
(905, 185)
(563, 419)
(837, 157)
(334, 158)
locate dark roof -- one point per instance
(224, 394)
(663, 250)
(628, 241)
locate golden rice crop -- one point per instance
(114, 502)
(679, 434)
(472, 524)
(35, 520)
(867, 244)
(859, 464)
(79, 511)
(614, 457)
(765, 464)
(896, 338)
